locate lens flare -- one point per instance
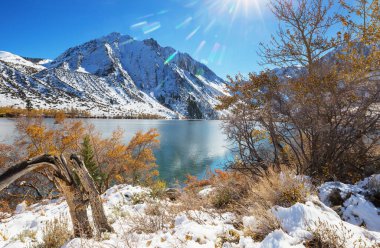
(222, 54)
(214, 52)
(199, 48)
(145, 16)
(139, 24)
(184, 23)
(235, 8)
(193, 33)
(151, 27)
(162, 12)
(209, 26)
(191, 4)
(170, 58)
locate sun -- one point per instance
(236, 8)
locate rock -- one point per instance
(21, 207)
(375, 199)
(172, 193)
(337, 209)
(335, 198)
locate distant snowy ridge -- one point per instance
(114, 75)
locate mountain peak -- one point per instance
(112, 36)
(116, 37)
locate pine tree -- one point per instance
(87, 153)
(193, 110)
(29, 105)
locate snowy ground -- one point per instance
(201, 229)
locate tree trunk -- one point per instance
(77, 208)
(99, 216)
(75, 193)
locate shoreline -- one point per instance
(110, 118)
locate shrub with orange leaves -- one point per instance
(126, 163)
(140, 158)
(59, 117)
(117, 161)
(37, 138)
(193, 182)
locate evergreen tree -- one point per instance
(87, 153)
(29, 105)
(193, 110)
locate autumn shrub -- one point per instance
(4, 208)
(155, 218)
(139, 198)
(25, 235)
(3, 236)
(109, 160)
(280, 187)
(222, 197)
(230, 188)
(265, 222)
(55, 233)
(329, 235)
(9, 111)
(227, 238)
(158, 189)
(238, 193)
(193, 183)
(227, 189)
(132, 163)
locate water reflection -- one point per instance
(186, 147)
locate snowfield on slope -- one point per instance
(17, 60)
(194, 229)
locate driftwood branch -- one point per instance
(24, 167)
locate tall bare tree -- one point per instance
(302, 35)
(325, 122)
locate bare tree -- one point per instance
(325, 122)
(302, 36)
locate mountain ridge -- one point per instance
(116, 75)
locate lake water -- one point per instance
(186, 147)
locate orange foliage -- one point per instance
(38, 139)
(140, 157)
(59, 117)
(9, 111)
(216, 178)
(131, 163)
(192, 182)
(117, 162)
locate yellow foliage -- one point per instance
(39, 139)
(118, 162)
(9, 111)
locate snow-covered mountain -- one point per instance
(114, 75)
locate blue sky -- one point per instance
(224, 34)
